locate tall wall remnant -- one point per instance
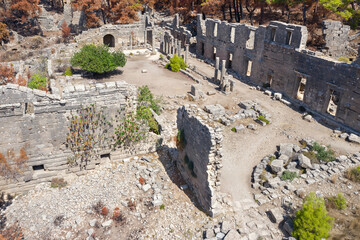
(336, 36)
(199, 159)
(275, 56)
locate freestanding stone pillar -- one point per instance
(216, 75)
(175, 46)
(186, 53)
(145, 38)
(179, 48)
(131, 41)
(153, 42)
(223, 70)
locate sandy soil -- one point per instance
(241, 151)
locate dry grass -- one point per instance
(348, 227)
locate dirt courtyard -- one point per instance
(241, 152)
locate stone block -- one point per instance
(304, 162)
(354, 138)
(275, 215)
(277, 166)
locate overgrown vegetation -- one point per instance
(320, 153)
(233, 129)
(263, 119)
(312, 221)
(37, 81)
(4, 33)
(344, 59)
(130, 131)
(288, 175)
(180, 139)
(98, 59)
(336, 202)
(58, 183)
(87, 134)
(7, 75)
(353, 174)
(68, 72)
(176, 63)
(12, 166)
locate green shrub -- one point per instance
(162, 207)
(353, 174)
(233, 129)
(145, 97)
(263, 118)
(161, 56)
(98, 59)
(323, 154)
(312, 221)
(37, 81)
(344, 59)
(176, 63)
(68, 72)
(312, 156)
(143, 112)
(338, 202)
(180, 139)
(287, 175)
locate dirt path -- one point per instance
(241, 151)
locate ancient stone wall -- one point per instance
(336, 36)
(275, 56)
(38, 122)
(199, 159)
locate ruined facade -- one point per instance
(275, 56)
(38, 122)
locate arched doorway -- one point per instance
(109, 40)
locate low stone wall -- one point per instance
(199, 158)
(38, 122)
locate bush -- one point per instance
(287, 175)
(353, 174)
(162, 207)
(68, 72)
(263, 119)
(98, 59)
(176, 63)
(338, 202)
(145, 97)
(58, 183)
(233, 129)
(344, 59)
(37, 81)
(323, 154)
(145, 114)
(312, 221)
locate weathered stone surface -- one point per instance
(216, 110)
(232, 235)
(304, 161)
(277, 165)
(354, 138)
(276, 215)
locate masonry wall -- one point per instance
(279, 60)
(203, 150)
(38, 122)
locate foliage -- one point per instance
(176, 63)
(344, 59)
(323, 154)
(90, 8)
(130, 130)
(65, 31)
(68, 72)
(338, 202)
(25, 9)
(7, 74)
(180, 139)
(353, 174)
(118, 217)
(342, 8)
(4, 32)
(142, 180)
(11, 166)
(161, 57)
(312, 221)
(144, 113)
(263, 119)
(104, 211)
(132, 205)
(98, 59)
(37, 81)
(288, 175)
(162, 207)
(13, 232)
(88, 133)
(58, 183)
(233, 129)
(146, 97)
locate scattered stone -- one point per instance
(304, 161)
(275, 215)
(277, 166)
(144, 71)
(278, 96)
(354, 138)
(107, 223)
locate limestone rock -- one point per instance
(353, 138)
(304, 162)
(232, 235)
(277, 166)
(275, 215)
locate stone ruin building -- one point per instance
(273, 56)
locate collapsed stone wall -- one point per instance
(199, 160)
(275, 56)
(336, 36)
(38, 122)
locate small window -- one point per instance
(251, 41)
(230, 61)
(232, 35)
(333, 102)
(301, 89)
(38, 167)
(249, 66)
(288, 37)
(273, 33)
(215, 29)
(214, 53)
(106, 155)
(28, 108)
